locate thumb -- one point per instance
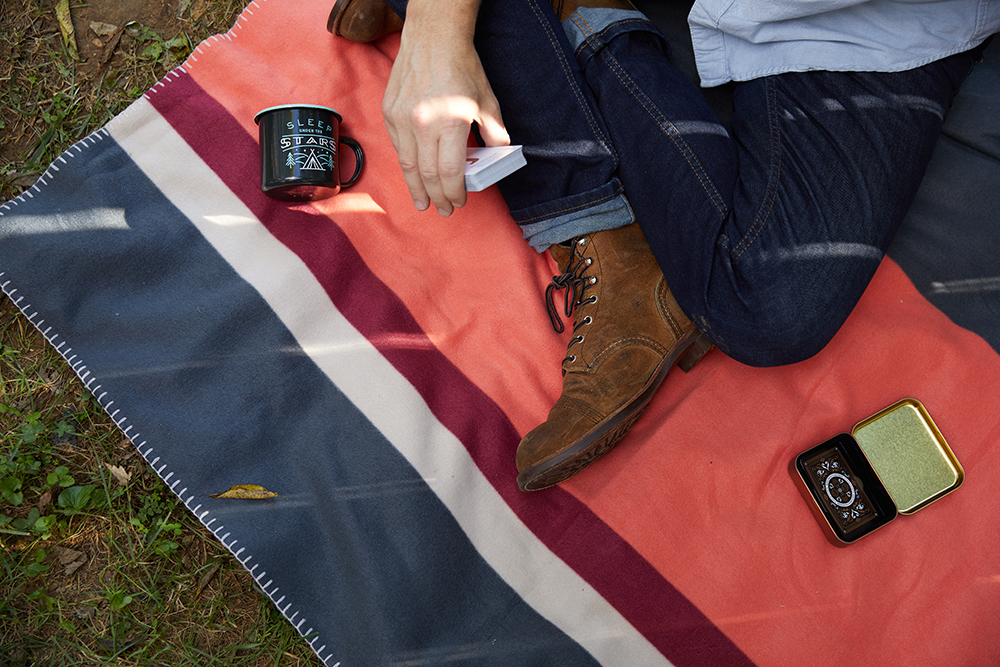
(491, 128)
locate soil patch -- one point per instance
(57, 89)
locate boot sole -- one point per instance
(687, 352)
(365, 35)
(336, 15)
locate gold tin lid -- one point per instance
(909, 455)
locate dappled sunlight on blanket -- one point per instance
(96, 219)
(985, 284)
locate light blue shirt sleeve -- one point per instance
(739, 40)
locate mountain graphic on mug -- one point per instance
(309, 161)
(312, 162)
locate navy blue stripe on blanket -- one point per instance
(214, 391)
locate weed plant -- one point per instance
(99, 563)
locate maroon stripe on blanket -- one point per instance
(564, 524)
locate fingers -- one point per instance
(432, 150)
(407, 148)
(451, 169)
(431, 142)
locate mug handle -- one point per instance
(359, 160)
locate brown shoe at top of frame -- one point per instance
(367, 20)
(363, 20)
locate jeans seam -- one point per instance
(585, 29)
(770, 192)
(562, 57)
(669, 130)
(563, 211)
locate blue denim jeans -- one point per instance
(768, 234)
(570, 185)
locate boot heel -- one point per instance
(694, 353)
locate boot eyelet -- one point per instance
(587, 320)
(582, 241)
(571, 359)
(591, 299)
(578, 339)
(593, 280)
(590, 261)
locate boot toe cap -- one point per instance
(564, 428)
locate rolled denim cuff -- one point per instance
(599, 209)
(586, 21)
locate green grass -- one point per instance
(98, 568)
(154, 587)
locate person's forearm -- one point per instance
(456, 18)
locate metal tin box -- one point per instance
(893, 462)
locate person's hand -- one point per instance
(437, 89)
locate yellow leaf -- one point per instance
(66, 27)
(247, 491)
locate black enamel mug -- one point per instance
(299, 152)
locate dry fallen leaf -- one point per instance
(245, 491)
(103, 29)
(71, 559)
(66, 27)
(110, 44)
(44, 500)
(207, 577)
(122, 477)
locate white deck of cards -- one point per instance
(486, 166)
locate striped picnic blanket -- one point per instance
(376, 367)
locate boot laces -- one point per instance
(575, 281)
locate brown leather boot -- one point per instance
(566, 7)
(367, 20)
(628, 332)
(363, 20)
